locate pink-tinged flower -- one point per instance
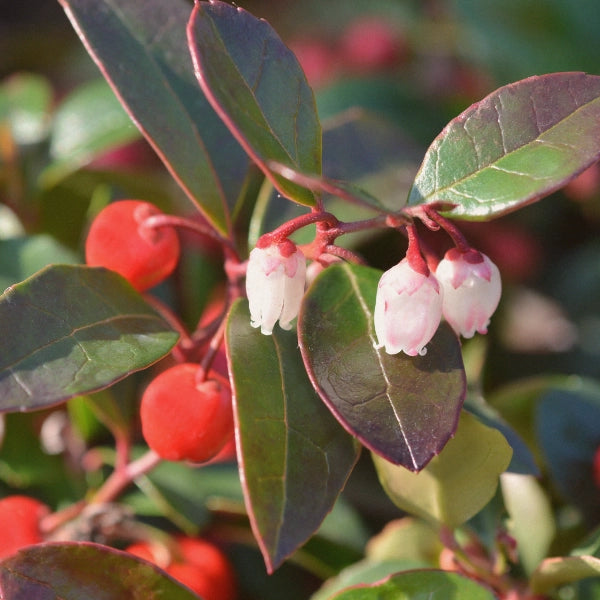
(275, 285)
(472, 289)
(408, 309)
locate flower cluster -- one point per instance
(410, 303)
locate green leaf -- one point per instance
(406, 538)
(71, 330)
(73, 571)
(21, 257)
(455, 485)
(520, 143)
(364, 572)
(258, 88)
(25, 104)
(566, 423)
(526, 503)
(554, 572)
(294, 457)
(141, 50)
(403, 408)
(88, 122)
(416, 585)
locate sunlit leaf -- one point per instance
(73, 330)
(455, 485)
(531, 521)
(403, 408)
(88, 122)
(74, 571)
(294, 456)
(258, 88)
(142, 51)
(520, 143)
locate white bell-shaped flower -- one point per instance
(472, 290)
(408, 309)
(275, 285)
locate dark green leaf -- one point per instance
(417, 585)
(77, 571)
(295, 458)
(403, 408)
(566, 422)
(142, 51)
(70, 330)
(520, 143)
(455, 485)
(257, 86)
(87, 123)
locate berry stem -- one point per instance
(162, 220)
(121, 478)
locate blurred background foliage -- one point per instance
(66, 149)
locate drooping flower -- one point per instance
(275, 285)
(472, 290)
(408, 309)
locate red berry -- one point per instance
(20, 523)
(118, 240)
(196, 563)
(371, 43)
(186, 420)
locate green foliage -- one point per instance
(488, 446)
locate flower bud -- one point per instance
(275, 285)
(408, 310)
(472, 289)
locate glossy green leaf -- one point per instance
(21, 257)
(77, 571)
(455, 485)
(527, 503)
(258, 88)
(25, 104)
(554, 572)
(403, 408)
(142, 51)
(88, 122)
(520, 143)
(416, 585)
(294, 457)
(73, 330)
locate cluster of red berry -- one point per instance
(184, 415)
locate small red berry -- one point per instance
(20, 523)
(183, 419)
(118, 240)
